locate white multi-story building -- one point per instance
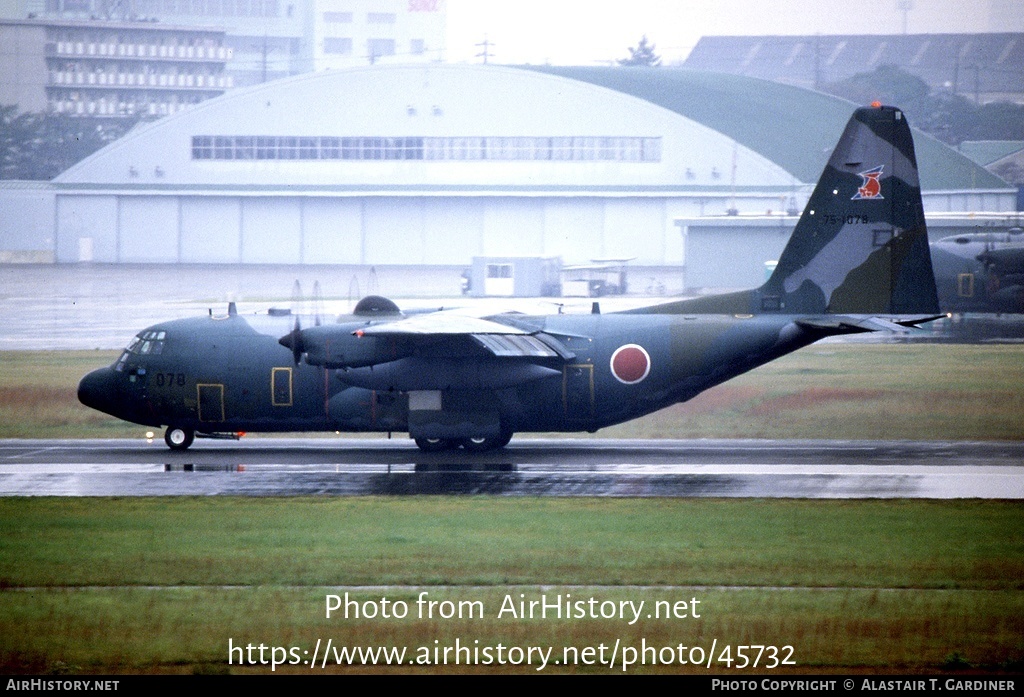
(109, 69)
(269, 39)
(347, 33)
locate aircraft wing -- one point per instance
(501, 340)
(1007, 259)
(439, 323)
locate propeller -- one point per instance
(293, 339)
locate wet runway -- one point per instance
(527, 467)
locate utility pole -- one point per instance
(264, 79)
(905, 6)
(486, 52)
(264, 50)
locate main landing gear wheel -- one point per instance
(479, 445)
(179, 438)
(436, 445)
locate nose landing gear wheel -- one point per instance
(179, 438)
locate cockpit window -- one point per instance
(147, 343)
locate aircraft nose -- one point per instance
(97, 390)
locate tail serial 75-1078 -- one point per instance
(858, 261)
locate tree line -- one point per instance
(41, 145)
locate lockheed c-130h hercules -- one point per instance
(857, 261)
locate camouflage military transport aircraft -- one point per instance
(980, 272)
(857, 261)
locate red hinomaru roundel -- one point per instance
(630, 364)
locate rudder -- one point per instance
(861, 245)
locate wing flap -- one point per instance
(505, 345)
(498, 339)
(439, 323)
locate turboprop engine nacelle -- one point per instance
(336, 346)
(412, 374)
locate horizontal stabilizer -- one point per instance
(853, 324)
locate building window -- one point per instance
(380, 18)
(288, 148)
(338, 17)
(202, 147)
(223, 148)
(309, 149)
(266, 148)
(245, 148)
(380, 47)
(330, 148)
(496, 148)
(337, 45)
(418, 47)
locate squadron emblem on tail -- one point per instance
(871, 187)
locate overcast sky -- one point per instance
(587, 32)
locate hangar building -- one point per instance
(437, 164)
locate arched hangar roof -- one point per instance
(575, 130)
(792, 126)
(423, 128)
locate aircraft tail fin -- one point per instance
(861, 245)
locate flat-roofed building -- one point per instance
(109, 69)
(271, 39)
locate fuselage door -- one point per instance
(965, 285)
(281, 387)
(578, 391)
(211, 402)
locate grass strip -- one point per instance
(495, 541)
(182, 630)
(110, 585)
